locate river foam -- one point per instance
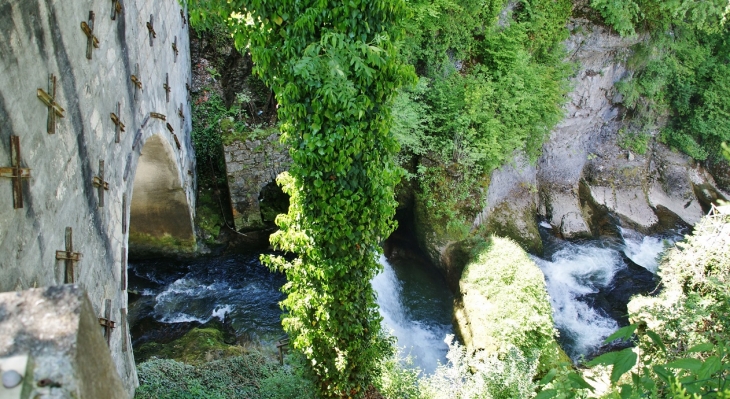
(574, 272)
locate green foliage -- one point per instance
(249, 376)
(334, 69)
(399, 378)
(206, 134)
(508, 374)
(503, 273)
(289, 382)
(630, 16)
(486, 89)
(449, 198)
(481, 375)
(622, 15)
(637, 142)
(491, 82)
(683, 76)
(680, 72)
(196, 346)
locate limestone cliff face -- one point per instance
(583, 174)
(645, 192)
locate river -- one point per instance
(589, 283)
(175, 296)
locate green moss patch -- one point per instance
(208, 216)
(167, 244)
(199, 345)
(252, 376)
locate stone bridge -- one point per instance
(95, 147)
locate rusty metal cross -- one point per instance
(151, 29)
(137, 82)
(54, 110)
(118, 122)
(106, 321)
(166, 86)
(69, 256)
(116, 9)
(91, 40)
(174, 48)
(100, 184)
(15, 172)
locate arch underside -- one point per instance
(160, 216)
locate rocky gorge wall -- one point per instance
(583, 175)
(128, 64)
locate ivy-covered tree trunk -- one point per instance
(334, 68)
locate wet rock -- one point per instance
(673, 185)
(589, 109)
(511, 204)
(572, 226)
(720, 170)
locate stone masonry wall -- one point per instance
(43, 37)
(251, 165)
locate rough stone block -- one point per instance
(57, 329)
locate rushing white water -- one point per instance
(575, 271)
(645, 250)
(423, 342)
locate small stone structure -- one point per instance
(51, 346)
(251, 165)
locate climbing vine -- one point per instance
(334, 69)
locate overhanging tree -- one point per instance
(334, 69)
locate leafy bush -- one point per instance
(492, 81)
(485, 89)
(249, 376)
(503, 273)
(637, 142)
(467, 375)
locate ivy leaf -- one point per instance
(547, 394)
(548, 377)
(685, 364)
(706, 347)
(622, 362)
(626, 391)
(625, 360)
(710, 366)
(624, 333)
(663, 373)
(605, 359)
(657, 340)
(579, 381)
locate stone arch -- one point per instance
(160, 215)
(272, 201)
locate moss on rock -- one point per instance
(516, 221)
(143, 244)
(198, 346)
